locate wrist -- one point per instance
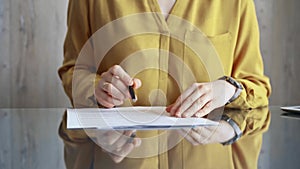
(237, 131)
(237, 87)
(227, 131)
(229, 90)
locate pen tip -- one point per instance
(135, 99)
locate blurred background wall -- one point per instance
(31, 40)
(32, 34)
(280, 45)
(31, 50)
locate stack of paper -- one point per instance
(126, 118)
(291, 108)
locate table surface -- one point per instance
(280, 145)
(280, 148)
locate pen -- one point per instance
(132, 94)
(131, 138)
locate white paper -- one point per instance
(124, 118)
(291, 108)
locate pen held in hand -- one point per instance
(131, 138)
(132, 94)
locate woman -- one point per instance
(202, 56)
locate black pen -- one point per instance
(132, 94)
(131, 138)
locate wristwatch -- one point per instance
(236, 128)
(236, 84)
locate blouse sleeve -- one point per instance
(251, 122)
(78, 72)
(248, 64)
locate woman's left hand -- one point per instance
(202, 98)
(209, 134)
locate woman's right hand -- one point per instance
(118, 144)
(112, 89)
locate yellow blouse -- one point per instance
(200, 41)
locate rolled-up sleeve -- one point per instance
(78, 72)
(248, 66)
(251, 122)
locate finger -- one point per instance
(182, 97)
(137, 142)
(124, 88)
(106, 100)
(107, 76)
(94, 133)
(117, 70)
(123, 139)
(188, 103)
(118, 156)
(137, 83)
(205, 110)
(117, 83)
(111, 90)
(214, 128)
(110, 138)
(196, 134)
(205, 135)
(186, 135)
(197, 105)
(168, 109)
(200, 135)
(100, 95)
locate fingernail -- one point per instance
(168, 109)
(137, 142)
(132, 83)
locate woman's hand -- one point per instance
(118, 144)
(209, 134)
(202, 98)
(112, 89)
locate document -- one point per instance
(128, 118)
(295, 109)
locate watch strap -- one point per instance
(236, 128)
(236, 84)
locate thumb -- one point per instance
(137, 83)
(137, 142)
